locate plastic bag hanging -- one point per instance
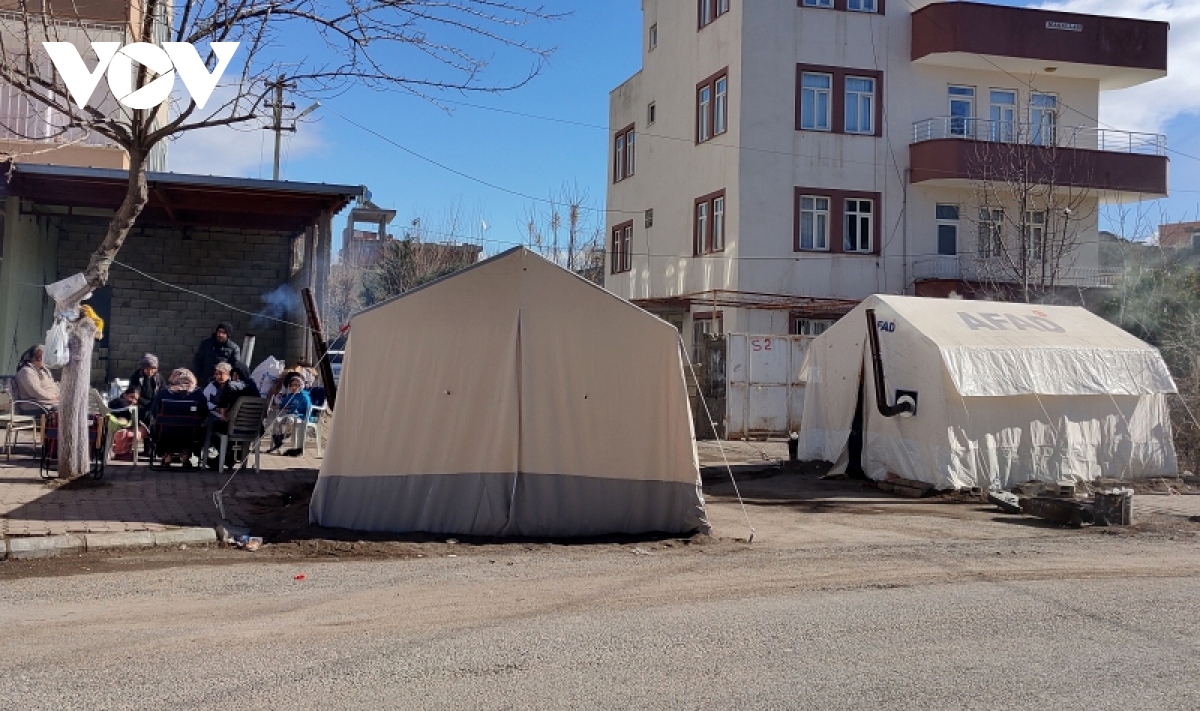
(57, 353)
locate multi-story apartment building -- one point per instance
(774, 162)
(30, 132)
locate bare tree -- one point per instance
(343, 294)
(424, 254)
(568, 233)
(1031, 217)
(420, 47)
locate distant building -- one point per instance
(1180, 235)
(365, 247)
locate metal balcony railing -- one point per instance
(1045, 133)
(964, 267)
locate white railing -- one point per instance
(964, 267)
(1039, 134)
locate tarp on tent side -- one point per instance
(1007, 393)
(511, 399)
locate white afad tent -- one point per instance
(985, 394)
(511, 399)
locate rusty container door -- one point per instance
(764, 393)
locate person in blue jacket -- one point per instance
(292, 405)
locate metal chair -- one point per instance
(245, 426)
(15, 424)
(178, 426)
(97, 404)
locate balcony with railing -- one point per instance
(1122, 164)
(991, 271)
(1117, 52)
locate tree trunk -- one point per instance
(73, 459)
(73, 456)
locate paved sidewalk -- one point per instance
(136, 498)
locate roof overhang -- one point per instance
(178, 199)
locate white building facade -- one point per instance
(775, 162)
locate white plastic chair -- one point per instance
(15, 424)
(312, 421)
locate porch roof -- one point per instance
(179, 199)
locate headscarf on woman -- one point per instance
(181, 381)
(30, 355)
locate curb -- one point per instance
(51, 546)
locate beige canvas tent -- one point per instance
(1003, 394)
(511, 399)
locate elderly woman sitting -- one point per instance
(37, 393)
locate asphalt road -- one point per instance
(1059, 622)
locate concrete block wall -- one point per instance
(235, 266)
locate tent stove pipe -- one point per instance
(906, 404)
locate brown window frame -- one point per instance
(622, 248)
(711, 113)
(837, 117)
(623, 157)
(702, 244)
(843, 6)
(837, 219)
(714, 12)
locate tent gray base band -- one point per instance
(507, 505)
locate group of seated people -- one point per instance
(37, 393)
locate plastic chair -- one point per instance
(99, 405)
(15, 424)
(312, 420)
(245, 426)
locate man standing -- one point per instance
(217, 348)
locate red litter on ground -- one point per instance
(301, 576)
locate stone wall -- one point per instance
(235, 266)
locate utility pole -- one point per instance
(277, 121)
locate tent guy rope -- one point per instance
(724, 456)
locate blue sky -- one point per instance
(599, 46)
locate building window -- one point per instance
(704, 325)
(815, 101)
(947, 229)
(653, 40)
(804, 326)
(857, 235)
(649, 218)
(651, 114)
(710, 10)
(838, 100)
(712, 106)
(836, 221)
(721, 105)
(1043, 119)
(1034, 234)
(623, 154)
(814, 222)
(709, 225)
(1003, 115)
(991, 232)
(622, 244)
(962, 110)
(860, 105)
(873, 6)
